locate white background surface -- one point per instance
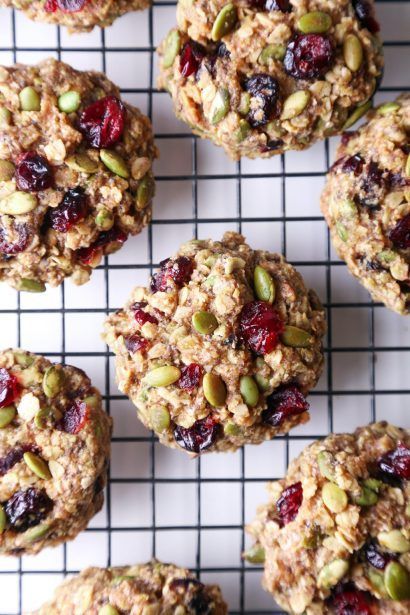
(190, 503)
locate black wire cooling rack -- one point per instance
(379, 397)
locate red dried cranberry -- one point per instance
(192, 54)
(354, 164)
(260, 326)
(33, 173)
(67, 6)
(308, 56)
(13, 456)
(115, 235)
(199, 437)
(190, 377)
(364, 12)
(178, 270)
(400, 235)
(27, 508)
(72, 209)
(102, 123)
(289, 503)
(141, 316)
(396, 463)
(375, 557)
(135, 342)
(265, 89)
(74, 418)
(373, 186)
(9, 388)
(19, 244)
(50, 6)
(283, 403)
(348, 600)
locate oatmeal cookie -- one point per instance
(75, 173)
(222, 347)
(146, 589)
(335, 534)
(54, 451)
(366, 203)
(260, 77)
(77, 15)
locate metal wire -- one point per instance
(331, 350)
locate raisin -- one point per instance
(192, 54)
(371, 554)
(400, 235)
(264, 90)
(348, 600)
(33, 173)
(71, 210)
(283, 403)
(26, 509)
(354, 165)
(9, 387)
(18, 244)
(193, 592)
(179, 270)
(278, 5)
(199, 437)
(289, 503)
(14, 456)
(308, 56)
(74, 418)
(260, 327)
(364, 12)
(373, 186)
(190, 377)
(102, 122)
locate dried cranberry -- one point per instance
(72, 209)
(115, 235)
(308, 56)
(265, 90)
(278, 5)
(9, 387)
(15, 455)
(27, 508)
(67, 6)
(190, 377)
(348, 600)
(102, 123)
(19, 244)
(354, 164)
(373, 186)
(141, 316)
(373, 556)
(289, 503)
(74, 418)
(135, 342)
(199, 437)
(364, 12)
(33, 173)
(260, 326)
(283, 403)
(400, 235)
(178, 270)
(192, 54)
(396, 463)
(346, 136)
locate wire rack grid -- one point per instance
(159, 503)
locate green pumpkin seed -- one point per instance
(263, 284)
(204, 322)
(160, 419)
(353, 52)
(6, 170)
(271, 52)
(18, 204)
(397, 581)
(249, 391)
(29, 99)
(342, 231)
(295, 104)
(377, 581)
(255, 555)
(243, 130)
(347, 209)
(44, 418)
(163, 376)
(373, 483)
(245, 103)
(3, 519)
(37, 465)
(114, 163)
(334, 498)
(232, 429)
(296, 338)
(394, 541)
(7, 414)
(172, 47)
(388, 107)
(121, 578)
(31, 286)
(82, 163)
(355, 116)
(387, 256)
(104, 219)
(220, 106)
(225, 22)
(108, 610)
(367, 497)
(214, 390)
(145, 192)
(332, 573)
(5, 116)
(36, 533)
(53, 380)
(24, 359)
(326, 463)
(262, 382)
(407, 167)
(315, 22)
(69, 101)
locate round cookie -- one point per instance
(366, 203)
(222, 347)
(335, 534)
(77, 15)
(75, 173)
(145, 589)
(54, 451)
(262, 77)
